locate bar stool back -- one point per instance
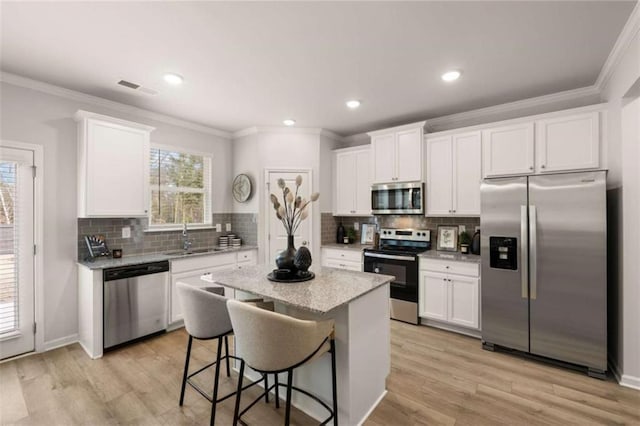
(270, 342)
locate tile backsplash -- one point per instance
(243, 225)
(330, 223)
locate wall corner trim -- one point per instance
(28, 83)
(622, 44)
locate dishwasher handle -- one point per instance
(131, 271)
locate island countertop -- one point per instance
(330, 288)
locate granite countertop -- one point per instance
(354, 246)
(330, 288)
(156, 257)
(451, 255)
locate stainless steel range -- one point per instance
(398, 256)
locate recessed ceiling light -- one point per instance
(289, 122)
(451, 75)
(353, 104)
(173, 79)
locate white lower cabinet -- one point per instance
(349, 260)
(452, 296)
(196, 266)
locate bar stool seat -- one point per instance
(206, 318)
(269, 342)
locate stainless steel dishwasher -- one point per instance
(135, 302)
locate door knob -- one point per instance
(304, 243)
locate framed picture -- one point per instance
(367, 233)
(447, 238)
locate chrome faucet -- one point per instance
(186, 244)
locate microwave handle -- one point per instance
(411, 204)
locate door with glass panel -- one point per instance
(17, 331)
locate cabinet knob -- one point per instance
(543, 167)
(530, 167)
(447, 267)
(444, 279)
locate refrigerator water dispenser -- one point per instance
(503, 252)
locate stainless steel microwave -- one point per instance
(398, 198)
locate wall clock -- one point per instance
(241, 188)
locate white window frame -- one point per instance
(207, 191)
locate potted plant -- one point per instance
(351, 235)
(465, 240)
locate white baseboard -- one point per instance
(623, 379)
(62, 341)
(373, 407)
(630, 381)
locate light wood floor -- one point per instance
(436, 378)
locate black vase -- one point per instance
(286, 258)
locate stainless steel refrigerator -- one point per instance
(544, 283)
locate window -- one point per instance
(180, 188)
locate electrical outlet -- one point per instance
(356, 225)
(218, 227)
(126, 232)
(228, 227)
(462, 228)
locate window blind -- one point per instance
(9, 306)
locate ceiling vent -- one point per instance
(137, 87)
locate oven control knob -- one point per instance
(376, 270)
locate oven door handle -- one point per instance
(390, 256)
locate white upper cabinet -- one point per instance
(113, 166)
(397, 154)
(384, 158)
(562, 141)
(467, 173)
(352, 182)
(568, 143)
(508, 150)
(439, 176)
(454, 174)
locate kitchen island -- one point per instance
(359, 304)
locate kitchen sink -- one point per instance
(194, 251)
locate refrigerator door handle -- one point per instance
(533, 251)
(524, 243)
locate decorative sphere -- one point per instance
(302, 260)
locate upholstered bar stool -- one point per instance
(206, 318)
(269, 342)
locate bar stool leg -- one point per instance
(215, 384)
(186, 370)
(266, 387)
(287, 416)
(334, 385)
(238, 393)
(277, 391)
(226, 351)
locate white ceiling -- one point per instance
(254, 64)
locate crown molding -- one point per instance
(398, 128)
(622, 44)
(287, 130)
(488, 112)
(28, 83)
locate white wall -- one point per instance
(624, 189)
(43, 119)
(290, 149)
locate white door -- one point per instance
(346, 181)
(568, 143)
(17, 295)
(433, 295)
(439, 185)
(463, 301)
(467, 174)
(277, 235)
(363, 182)
(508, 150)
(409, 155)
(384, 158)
